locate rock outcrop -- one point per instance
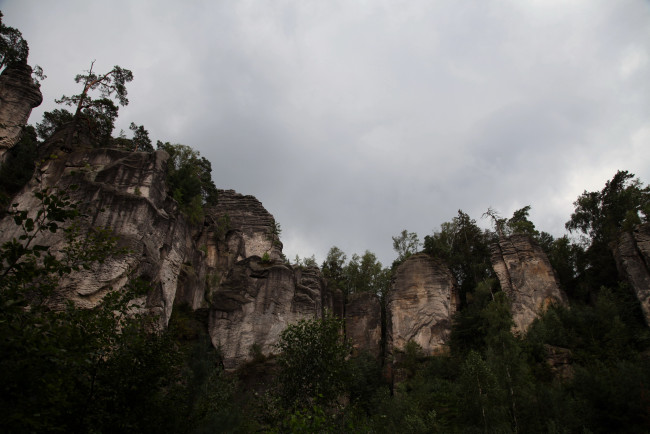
(527, 278)
(363, 323)
(251, 293)
(632, 253)
(248, 224)
(256, 302)
(125, 192)
(423, 298)
(18, 96)
(230, 266)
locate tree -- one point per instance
(141, 140)
(98, 114)
(52, 122)
(89, 370)
(601, 215)
(364, 273)
(520, 224)
(465, 248)
(189, 178)
(13, 48)
(332, 267)
(405, 244)
(52, 362)
(312, 362)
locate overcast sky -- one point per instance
(352, 120)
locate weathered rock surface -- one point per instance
(527, 278)
(130, 188)
(363, 322)
(248, 224)
(256, 302)
(420, 305)
(18, 96)
(632, 253)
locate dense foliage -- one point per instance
(312, 362)
(13, 47)
(92, 370)
(189, 178)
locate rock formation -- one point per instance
(632, 253)
(420, 305)
(363, 322)
(130, 189)
(18, 96)
(256, 302)
(527, 278)
(248, 224)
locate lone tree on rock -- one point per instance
(100, 113)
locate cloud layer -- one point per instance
(352, 120)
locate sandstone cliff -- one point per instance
(527, 278)
(363, 323)
(231, 265)
(18, 96)
(256, 302)
(420, 305)
(632, 253)
(130, 188)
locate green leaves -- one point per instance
(312, 361)
(602, 214)
(100, 113)
(405, 244)
(13, 48)
(189, 178)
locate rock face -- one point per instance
(252, 295)
(229, 266)
(248, 224)
(632, 254)
(363, 322)
(420, 305)
(256, 302)
(18, 96)
(130, 187)
(527, 278)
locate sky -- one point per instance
(353, 120)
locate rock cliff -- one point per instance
(231, 265)
(632, 253)
(527, 278)
(130, 188)
(363, 323)
(256, 302)
(18, 96)
(420, 305)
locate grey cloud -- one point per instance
(351, 121)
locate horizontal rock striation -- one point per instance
(527, 278)
(18, 96)
(632, 253)
(248, 224)
(421, 304)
